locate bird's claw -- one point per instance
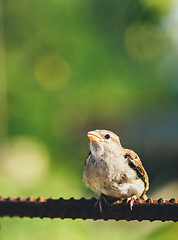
(131, 201)
(99, 203)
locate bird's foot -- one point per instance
(131, 201)
(99, 202)
(117, 202)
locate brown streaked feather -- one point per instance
(136, 164)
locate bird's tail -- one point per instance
(144, 197)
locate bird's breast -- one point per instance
(95, 169)
(105, 172)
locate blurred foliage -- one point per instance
(67, 67)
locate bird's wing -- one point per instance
(136, 164)
(89, 155)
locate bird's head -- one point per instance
(103, 142)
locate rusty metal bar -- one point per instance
(163, 210)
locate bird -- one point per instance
(113, 171)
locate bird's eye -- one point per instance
(107, 136)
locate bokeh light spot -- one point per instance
(52, 72)
(160, 5)
(144, 42)
(24, 161)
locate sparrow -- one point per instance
(113, 171)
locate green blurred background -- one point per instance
(67, 67)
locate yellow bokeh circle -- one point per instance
(52, 72)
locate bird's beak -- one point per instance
(94, 137)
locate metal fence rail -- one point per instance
(163, 210)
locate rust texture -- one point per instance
(163, 210)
